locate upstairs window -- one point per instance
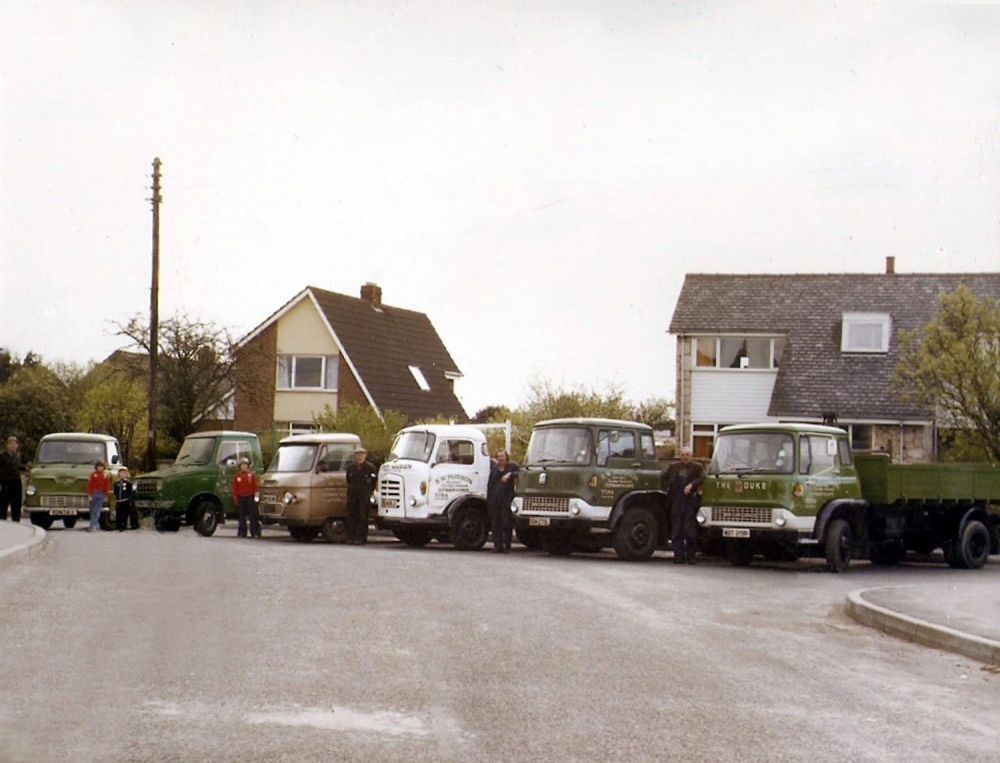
(316, 372)
(738, 352)
(865, 332)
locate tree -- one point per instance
(376, 433)
(491, 413)
(34, 402)
(196, 362)
(658, 412)
(117, 405)
(952, 365)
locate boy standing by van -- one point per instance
(244, 495)
(124, 508)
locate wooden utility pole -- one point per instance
(154, 319)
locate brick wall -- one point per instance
(256, 366)
(349, 392)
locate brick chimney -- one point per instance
(890, 265)
(370, 292)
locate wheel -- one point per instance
(739, 553)
(107, 520)
(413, 536)
(839, 542)
(469, 528)
(887, 555)
(557, 544)
(41, 520)
(527, 537)
(206, 518)
(972, 548)
(334, 530)
(69, 522)
(166, 523)
(637, 534)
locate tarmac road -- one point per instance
(171, 647)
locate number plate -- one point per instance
(63, 512)
(735, 532)
(390, 503)
(538, 521)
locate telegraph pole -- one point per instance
(154, 319)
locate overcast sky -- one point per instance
(536, 177)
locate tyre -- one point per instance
(167, 523)
(638, 531)
(413, 536)
(887, 555)
(739, 553)
(469, 528)
(69, 522)
(334, 530)
(527, 537)
(41, 520)
(107, 520)
(972, 548)
(206, 518)
(839, 543)
(557, 544)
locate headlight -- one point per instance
(780, 520)
(700, 517)
(288, 499)
(413, 500)
(31, 489)
(515, 505)
(574, 509)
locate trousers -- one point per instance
(684, 530)
(10, 495)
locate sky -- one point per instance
(536, 177)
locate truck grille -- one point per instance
(539, 503)
(145, 490)
(753, 515)
(270, 504)
(64, 502)
(391, 487)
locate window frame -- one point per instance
(776, 346)
(884, 320)
(329, 372)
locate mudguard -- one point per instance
(830, 509)
(657, 497)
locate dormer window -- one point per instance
(419, 378)
(865, 332)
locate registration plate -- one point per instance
(538, 521)
(63, 512)
(735, 532)
(390, 503)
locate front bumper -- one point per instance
(437, 522)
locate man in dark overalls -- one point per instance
(10, 480)
(682, 481)
(361, 477)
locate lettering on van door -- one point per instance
(450, 486)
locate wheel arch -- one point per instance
(850, 509)
(196, 500)
(656, 500)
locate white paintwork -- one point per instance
(731, 397)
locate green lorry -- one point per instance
(197, 489)
(57, 482)
(787, 491)
(590, 483)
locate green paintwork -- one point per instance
(182, 486)
(65, 483)
(885, 483)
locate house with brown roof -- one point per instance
(807, 348)
(323, 348)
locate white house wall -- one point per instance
(301, 331)
(731, 397)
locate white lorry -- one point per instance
(433, 486)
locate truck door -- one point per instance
(328, 495)
(454, 472)
(617, 453)
(818, 460)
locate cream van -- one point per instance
(304, 488)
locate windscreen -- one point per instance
(753, 453)
(414, 446)
(70, 452)
(560, 445)
(195, 450)
(293, 458)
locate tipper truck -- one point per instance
(798, 490)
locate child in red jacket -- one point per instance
(98, 489)
(245, 498)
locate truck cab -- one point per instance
(588, 483)
(433, 485)
(57, 482)
(305, 487)
(197, 489)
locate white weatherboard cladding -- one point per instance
(731, 397)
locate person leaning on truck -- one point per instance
(499, 494)
(361, 476)
(10, 481)
(244, 496)
(681, 482)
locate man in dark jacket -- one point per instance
(361, 476)
(682, 482)
(10, 480)
(499, 494)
